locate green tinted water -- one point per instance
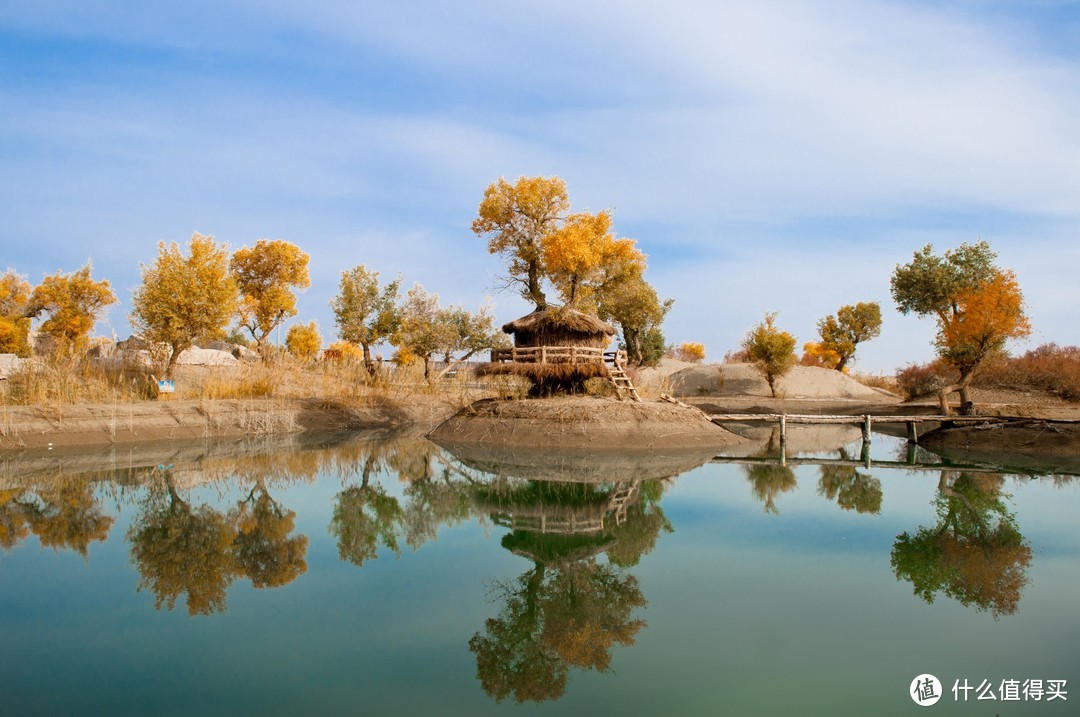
(395, 577)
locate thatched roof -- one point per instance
(559, 318)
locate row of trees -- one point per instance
(192, 297)
(772, 350)
(977, 305)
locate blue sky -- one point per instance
(767, 156)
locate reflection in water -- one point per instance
(364, 515)
(569, 610)
(582, 523)
(850, 489)
(179, 549)
(554, 617)
(67, 516)
(768, 481)
(265, 552)
(197, 552)
(975, 554)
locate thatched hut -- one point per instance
(559, 326)
(556, 347)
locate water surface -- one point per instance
(388, 575)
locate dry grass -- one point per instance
(52, 384)
(878, 380)
(549, 378)
(1050, 369)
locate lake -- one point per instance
(385, 575)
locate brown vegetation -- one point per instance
(1049, 368)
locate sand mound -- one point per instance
(577, 466)
(578, 422)
(741, 379)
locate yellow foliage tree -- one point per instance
(583, 252)
(14, 293)
(266, 275)
(14, 326)
(692, 352)
(516, 218)
(771, 350)
(303, 341)
(816, 353)
(852, 325)
(985, 318)
(185, 297)
(72, 303)
(344, 351)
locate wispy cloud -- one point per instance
(770, 155)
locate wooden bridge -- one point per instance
(865, 421)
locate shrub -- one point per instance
(919, 380)
(691, 351)
(303, 340)
(737, 356)
(1050, 368)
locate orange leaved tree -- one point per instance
(978, 307)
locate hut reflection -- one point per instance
(563, 513)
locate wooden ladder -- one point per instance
(620, 380)
(621, 498)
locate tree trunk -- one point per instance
(427, 368)
(369, 365)
(632, 339)
(177, 349)
(962, 387)
(536, 294)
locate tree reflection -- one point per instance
(183, 550)
(975, 554)
(67, 516)
(364, 516)
(850, 489)
(13, 525)
(553, 618)
(769, 481)
(264, 550)
(569, 610)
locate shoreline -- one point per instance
(543, 421)
(94, 425)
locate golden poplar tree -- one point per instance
(185, 297)
(72, 303)
(266, 275)
(14, 326)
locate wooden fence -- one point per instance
(557, 354)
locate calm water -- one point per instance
(389, 576)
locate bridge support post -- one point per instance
(783, 439)
(912, 432)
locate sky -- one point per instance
(768, 156)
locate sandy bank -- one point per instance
(63, 427)
(579, 422)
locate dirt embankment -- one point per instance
(151, 421)
(579, 422)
